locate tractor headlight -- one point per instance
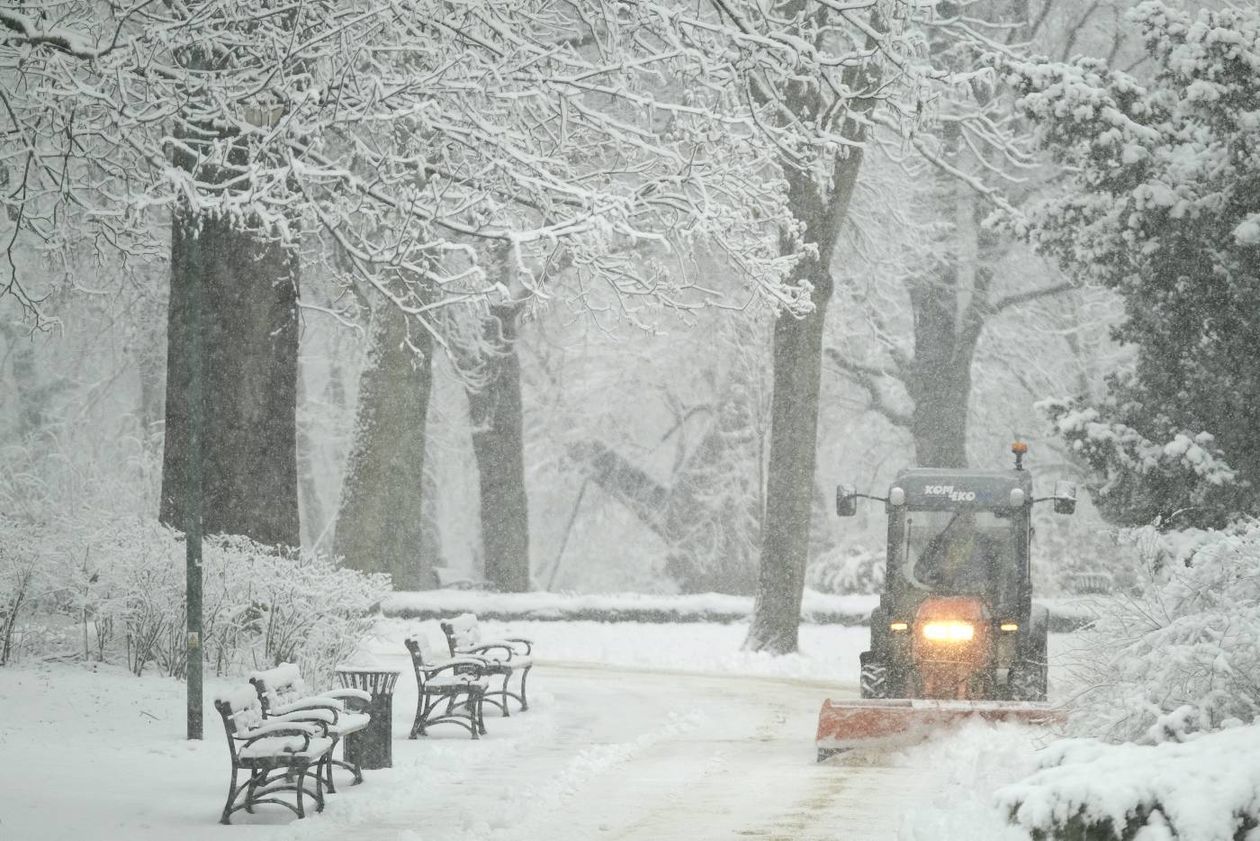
(949, 631)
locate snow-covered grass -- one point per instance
(827, 652)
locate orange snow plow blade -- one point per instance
(844, 725)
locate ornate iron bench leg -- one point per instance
(255, 778)
(524, 700)
(326, 762)
(326, 767)
(503, 693)
(226, 817)
(417, 725)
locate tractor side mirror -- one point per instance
(1064, 498)
(846, 500)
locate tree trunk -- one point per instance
(794, 415)
(940, 374)
(379, 525)
(498, 442)
(790, 479)
(311, 504)
(249, 340)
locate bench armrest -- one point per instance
(476, 663)
(483, 647)
(529, 644)
(320, 717)
(312, 703)
(280, 728)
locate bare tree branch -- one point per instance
(865, 376)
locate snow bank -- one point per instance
(1207, 789)
(616, 607)
(959, 773)
(827, 652)
(816, 608)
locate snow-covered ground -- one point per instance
(1066, 613)
(636, 732)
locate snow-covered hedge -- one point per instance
(115, 589)
(1205, 789)
(614, 607)
(847, 570)
(1185, 657)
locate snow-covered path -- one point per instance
(640, 754)
(605, 752)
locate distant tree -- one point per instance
(381, 519)
(498, 440)
(1162, 204)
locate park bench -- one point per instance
(504, 657)
(279, 754)
(282, 692)
(450, 690)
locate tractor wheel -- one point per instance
(1027, 681)
(874, 680)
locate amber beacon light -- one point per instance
(1019, 448)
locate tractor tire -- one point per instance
(1029, 677)
(1027, 681)
(874, 681)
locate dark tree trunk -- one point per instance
(790, 478)
(498, 442)
(940, 373)
(310, 503)
(379, 526)
(797, 370)
(794, 416)
(249, 340)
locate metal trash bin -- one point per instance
(372, 747)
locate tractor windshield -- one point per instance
(957, 551)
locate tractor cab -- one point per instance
(956, 619)
(959, 533)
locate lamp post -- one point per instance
(192, 474)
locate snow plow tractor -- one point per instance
(956, 634)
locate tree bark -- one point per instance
(310, 504)
(379, 526)
(498, 443)
(940, 373)
(249, 340)
(794, 415)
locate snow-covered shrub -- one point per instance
(847, 570)
(19, 586)
(1183, 480)
(1207, 789)
(122, 581)
(1159, 203)
(1184, 657)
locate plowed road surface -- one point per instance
(657, 756)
